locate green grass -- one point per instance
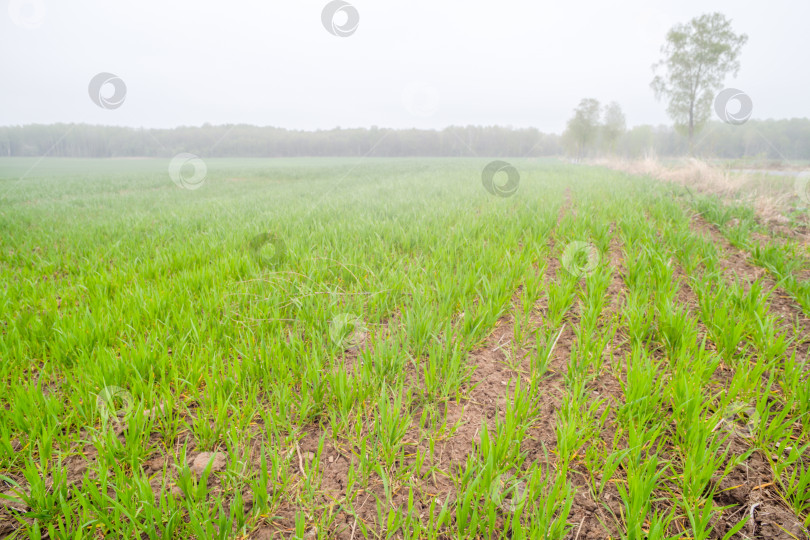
(336, 327)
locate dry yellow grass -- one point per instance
(771, 197)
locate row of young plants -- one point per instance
(784, 257)
(200, 346)
(767, 401)
(137, 339)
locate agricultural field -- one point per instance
(389, 348)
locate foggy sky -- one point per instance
(410, 63)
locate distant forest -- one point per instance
(766, 139)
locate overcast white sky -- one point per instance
(519, 63)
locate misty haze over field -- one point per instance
(409, 64)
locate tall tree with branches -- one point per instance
(696, 58)
(583, 128)
(613, 126)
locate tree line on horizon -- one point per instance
(764, 139)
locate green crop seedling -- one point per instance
(333, 348)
